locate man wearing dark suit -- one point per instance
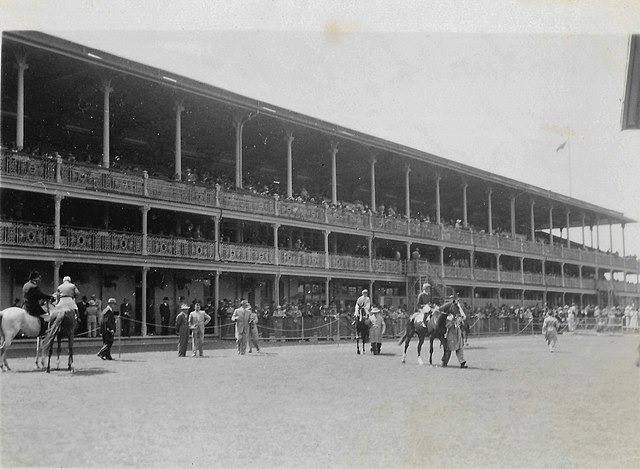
(165, 315)
(108, 329)
(82, 315)
(125, 317)
(32, 295)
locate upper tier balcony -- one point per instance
(95, 178)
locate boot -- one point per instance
(379, 347)
(463, 365)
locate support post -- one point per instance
(106, 158)
(22, 66)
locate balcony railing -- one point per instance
(457, 272)
(312, 259)
(456, 235)
(27, 234)
(302, 211)
(572, 282)
(486, 274)
(342, 262)
(510, 276)
(94, 178)
(181, 247)
(100, 240)
(554, 280)
(387, 266)
(247, 253)
(531, 278)
(389, 225)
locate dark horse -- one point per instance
(64, 325)
(435, 328)
(362, 324)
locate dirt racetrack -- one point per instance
(321, 405)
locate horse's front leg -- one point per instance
(358, 343)
(431, 351)
(38, 351)
(420, 342)
(406, 346)
(49, 359)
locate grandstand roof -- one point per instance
(99, 59)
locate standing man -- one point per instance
(82, 315)
(550, 330)
(151, 318)
(182, 330)
(253, 330)
(165, 315)
(241, 318)
(125, 317)
(378, 328)
(454, 340)
(108, 329)
(92, 317)
(197, 320)
(32, 295)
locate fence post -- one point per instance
(302, 326)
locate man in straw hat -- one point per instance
(241, 317)
(108, 329)
(378, 328)
(182, 329)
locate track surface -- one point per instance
(321, 405)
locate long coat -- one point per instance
(241, 318)
(378, 328)
(454, 333)
(182, 329)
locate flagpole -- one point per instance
(570, 173)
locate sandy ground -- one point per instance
(321, 405)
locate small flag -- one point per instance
(561, 146)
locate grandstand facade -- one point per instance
(140, 183)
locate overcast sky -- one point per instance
(494, 85)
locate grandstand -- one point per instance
(142, 183)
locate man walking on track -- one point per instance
(550, 330)
(454, 340)
(241, 317)
(108, 329)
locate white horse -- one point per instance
(13, 321)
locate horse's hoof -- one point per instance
(358, 352)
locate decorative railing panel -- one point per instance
(572, 254)
(248, 253)
(180, 247)
(424, 229)
(301, 211)
(511, 277)
(486, 274)
(533, 278)
(27, 234)
(530, 247)
(485, 240)
(389, 225)
(456, 235)
(100, 240)
(510, 244)
(387, 266)
(553, 251)
(603, 259)
(348, 219)
(245, 202)
(341, 262)
(588, 256)
(24, 166)
(302, 258)
(554, 280)
(457, 272)
(572, 282)
(181, 192)
(91, 177)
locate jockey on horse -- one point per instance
(32, 296)
(423, 304)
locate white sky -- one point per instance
(495, 85)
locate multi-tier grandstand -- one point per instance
(141, 183)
